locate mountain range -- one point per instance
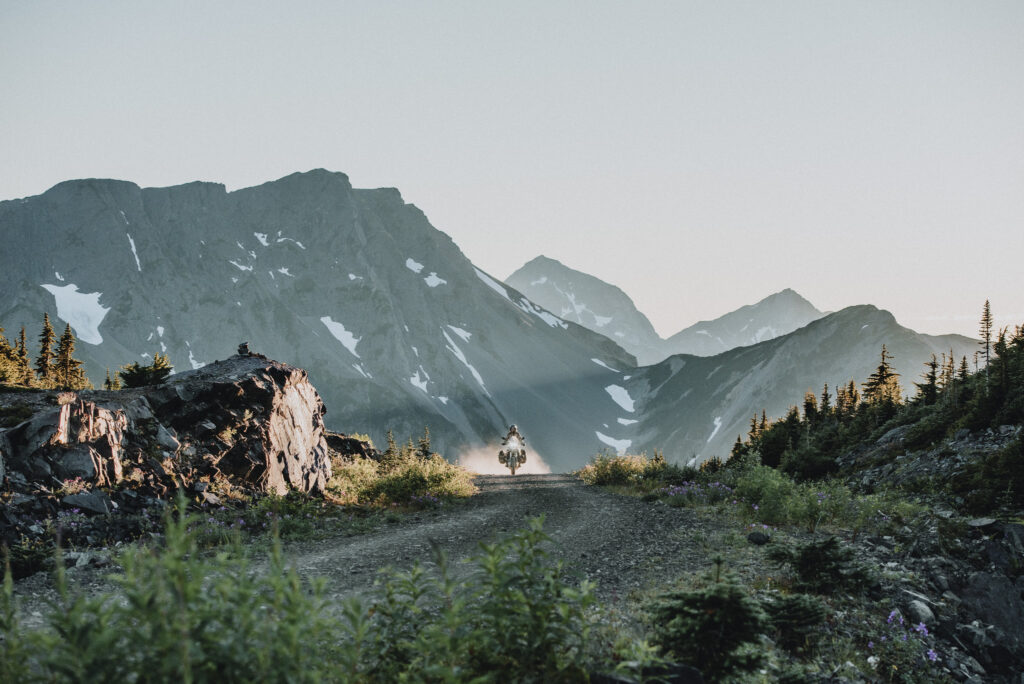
(399, 330)
(604, 308)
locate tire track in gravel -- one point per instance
(618, 541)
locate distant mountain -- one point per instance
(581, 298)
(775, 315)
(605, 309)
(691, 406)
(397, 329)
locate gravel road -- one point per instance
(617, 541)
(620, 542)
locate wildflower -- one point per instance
(871, 644)
(932, 655)
(873, 662)
(921, 629)
(755, 506)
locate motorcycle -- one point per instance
(513, 455)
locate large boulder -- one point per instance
(251, 418)
(255, 422)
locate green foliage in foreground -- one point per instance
(714, 628)
(185, 616)
(753, 492)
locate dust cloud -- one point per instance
(485, 462)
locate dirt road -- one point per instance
(620, 542)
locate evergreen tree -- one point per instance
(67, 371)
(928, 391)
(45, 359)
(964, 372)
(737, 448)
(826, 401)
(883, 386)
(764, 421)
(24, 362)
(985, 329)
(134, 375)
(752, 434)
(423, 448)
(810, 408)
(112, 383)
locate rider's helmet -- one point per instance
(513, 428)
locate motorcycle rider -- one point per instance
(513, 431)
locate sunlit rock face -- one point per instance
(396, 328)
(254, 423)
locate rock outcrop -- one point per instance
(247, 424)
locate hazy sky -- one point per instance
(698, 155)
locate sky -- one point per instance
(699, 155)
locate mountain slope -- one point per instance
(775, 315)
(581, 298)
(696, 406)
(396, 328)
(605, 309)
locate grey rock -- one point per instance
(758, 538)
(79, 461)
(166, 440)
(93, 502)
(918, 611)
(981, 522)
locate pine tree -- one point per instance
(883, 386)
(24, 362)
(810, 408)
(964, 372)
(986, 336)
(826, 401)
(66, 370)
(423, 448)
(737, 448)
(928, 391)
(752, 433)
(764, 421)
(852, 397)
(112, 383)
(134, 375)
(45, 359)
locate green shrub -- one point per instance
(795, 619)
(768, 493)
(409, 479)
(822, 566)
(712, 628)
(625, 470)
(182, 615)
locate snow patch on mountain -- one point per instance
(627, 421)
(413, 265)
(196, 365)
(262, 237)
(602, 364)
(134, 252)
(621, 397)
(433, 281)
(454, 349)
(492, 283)
(81, 309)
(418, 381)
(620, 445)
(239, 266)
(285, 271)
(601, 321)
(464, 334)
(540, 281)
(344, 336)
(718, 424)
